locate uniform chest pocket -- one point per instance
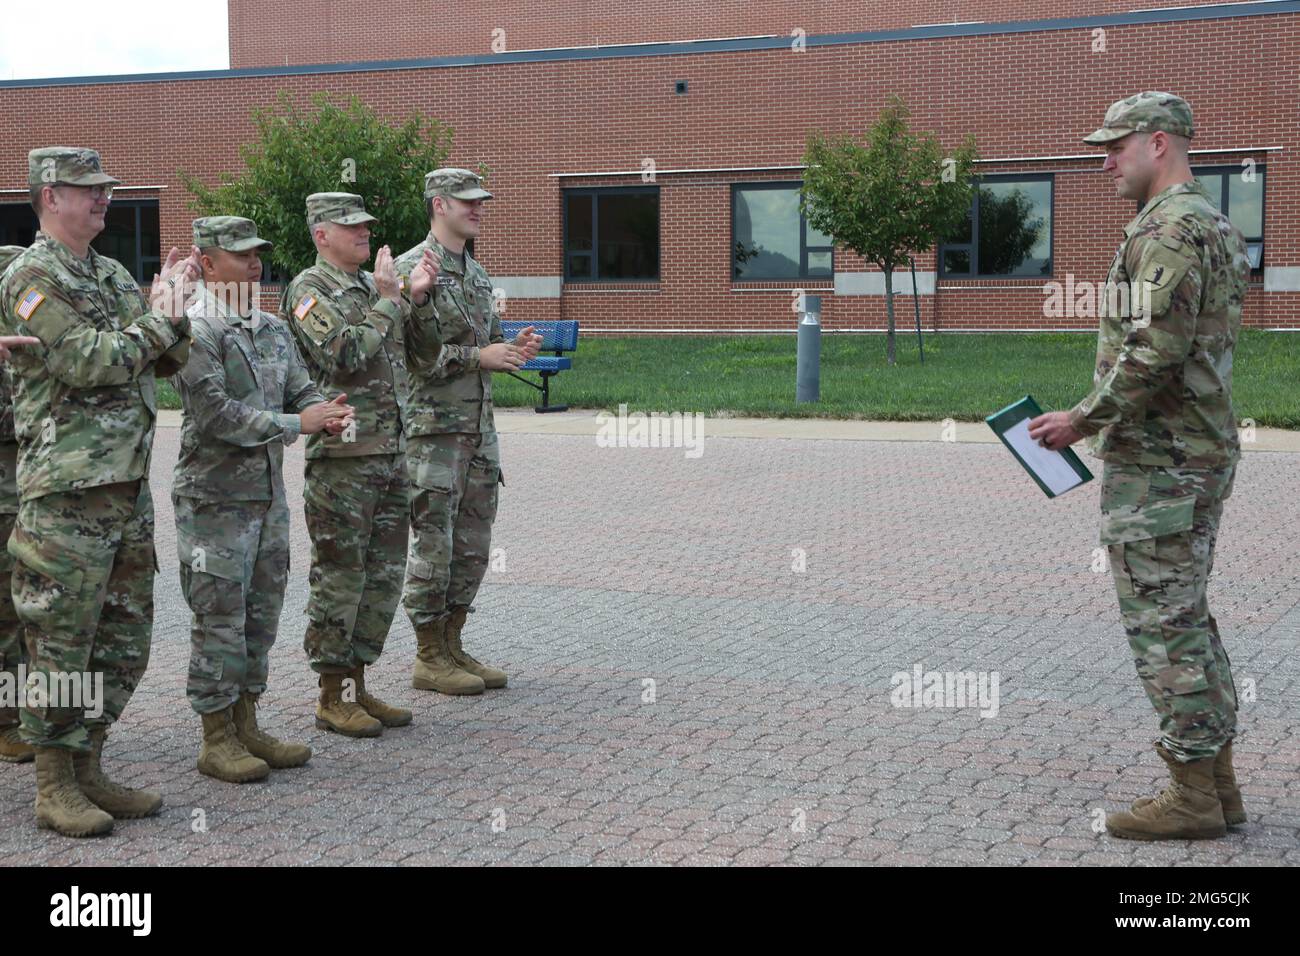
(274, 366)
(90, 303)
(480, 293)
(241, 374)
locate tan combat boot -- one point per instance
(1225, 784)
(13, 749)
(434, 667)
(122, 802)
(386, 714)
(60, 804)
(343, 716)
(490, 676)
(278, 754)
(1188, 809)
(223, 756)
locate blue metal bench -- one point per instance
(558, 337)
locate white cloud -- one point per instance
(94, 38)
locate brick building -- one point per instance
(571, 105)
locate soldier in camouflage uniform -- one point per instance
(246, 394)
(12, 650)
(349, 326)
(1160, 415)
(84, 413)
(453, 452)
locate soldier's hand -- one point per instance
(1053, 431)
(423, 276)
(386, 276)
(528, 342)
(8, 342)
(501, 357)
(337, 426)
(326, 414)
(173, 287)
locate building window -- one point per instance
(1008, 231)
(131, 234)
(771, 239)
(611, 235)
(18, 224)
(1242, 201)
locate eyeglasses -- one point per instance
(104, 191)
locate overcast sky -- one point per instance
(105, 37)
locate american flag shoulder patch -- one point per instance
(305, 305)
(31, 301)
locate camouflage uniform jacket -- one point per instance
(1163, 384)
(353, 343)
(242, 377)
(8, 447)
(8, 441)
(449, 391)
(84, 399)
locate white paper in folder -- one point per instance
(1050, 466)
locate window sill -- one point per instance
(984, 282)
(580, 286)
(783, 285)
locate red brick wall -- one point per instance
(1021, 95)
(297, 32)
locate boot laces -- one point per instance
(253, 730)
(95, 777)
(1170, 795)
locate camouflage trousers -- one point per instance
(234, 558)
(13, 649)
(453, 505)
(83, 588)
(357, 518)
(1160, 526)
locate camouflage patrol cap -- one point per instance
(1144, 113)
(347, 209)
(454, 182)
(66, 166)
(232, 233)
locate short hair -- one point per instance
(37, 205)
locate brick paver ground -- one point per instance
(770, 736)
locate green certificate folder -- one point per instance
(1056, 472)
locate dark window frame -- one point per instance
(144, 270)
(145, 273)
(1223, 203)
(595, 192)
(804, 248)
(972, 247)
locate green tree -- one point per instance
(893, 194)
(327, 148)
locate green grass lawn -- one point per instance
(965, 376)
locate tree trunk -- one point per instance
(889, 311)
